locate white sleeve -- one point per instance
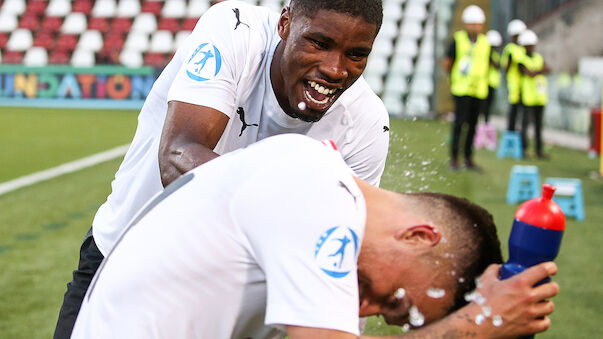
(212, 57)
(307, 247)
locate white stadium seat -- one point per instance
(128, 8)
(425, 66)
(20, 40)
(375, 82)
(376, 65)
(427, 47)
(8, 22)
(179, 39)
(396, 84)
(196, 8)
(58, 8)
(161, 42)
(393, 103)
(174, 9)
(144, 22)
(274, 5)
(82, 58)
(411, 30)
(16, 7)
(75, 23)
(415, 11)
(389, 30)
(401, 65)
(382, 47)
(131, 58)
(392, 11)
(417, 105)
(104, 8)
(36, 57)
(422, 85)
(90, 40)
(137, 41)
(407, 48)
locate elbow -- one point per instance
(167, 169)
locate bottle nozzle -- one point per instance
(547, 191)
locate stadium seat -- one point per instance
(376, 65)
(128, 8)
(382, 47)
(417, 105)
(36, 7)
(196, 8)
(155, 59)
(3, 40)
(98, 23)
(12, 57)
(58, 57)
(189, 24)
(104, 8)
(401, 65)
(113, 40)
(58, 8)
(145, 23)
(29, 21)
(174, 9)
(375, 82)
(66, 43)
(425, 66)
(411, 30)
(35, 57)
(75, 23)
(396, 84)
(20, 40)
(52, 24)
(82, 58)
(394, 104)
(421, 85)
(179, 39)
(415, 12)
(90, 40)
(82, 6)
(131, 58)
(16, 7)
(169, 24)
(392, 11)
(161, 42)
(121, 25)
(427, 48)
(153, 7)
(274, 5)
(389, 30)
(44, 39)
(8, 22)
(0, 56)
(406, 48)
(137, 41)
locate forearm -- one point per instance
(177, 161)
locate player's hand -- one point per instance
(523, 307)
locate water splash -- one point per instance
(436, 293)
(487, 311)
(400, 293)
(497, 320)
(479, 319)
(461, 280)
(405, 328)
(416, 318)
(301, 105)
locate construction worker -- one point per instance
(512, 53)
(495, 41)
(467, 61)
(533, 90)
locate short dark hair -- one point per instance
(370, 10)
(475, 244)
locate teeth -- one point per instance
(310, 98)
(320, 89)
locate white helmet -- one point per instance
(473, 15)
(494, 38)
(528, 38)
(515, 27)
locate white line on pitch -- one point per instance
(69, 167)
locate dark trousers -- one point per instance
(90, 260)
(488, 104)
(466, 111)
(514, 110)
(533, 113)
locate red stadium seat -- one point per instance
(82, 6)
(52, 24)
(36, 7)
(66, 42)
(152, 7)
(59, 57)
(99, 24)
(169, 24)
(189, 24)
(113, 40)
(121, 25)
(12, 57)
(3, 39)
(29, 21)
(44, 39)
(155, 59)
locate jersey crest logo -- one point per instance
(336, 251)
(205, 63)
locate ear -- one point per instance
(284, 23)
(423, 234)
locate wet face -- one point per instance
(423, 286)
(319, 58)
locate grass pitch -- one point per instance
(41, 227)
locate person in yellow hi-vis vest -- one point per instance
(511, 54)
(467, 61)
(533, 90)
(495, 41)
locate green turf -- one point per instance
(41, 227)
(35, 139)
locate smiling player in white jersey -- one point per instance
(226, 253)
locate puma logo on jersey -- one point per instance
(241, 113)
(385, 129)
(237, 16)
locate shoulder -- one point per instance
(361, 102)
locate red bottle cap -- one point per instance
(542, 212)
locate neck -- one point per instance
(472, 35)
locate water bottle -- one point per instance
(536, 235)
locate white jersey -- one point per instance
(225, 64)
(239, 247)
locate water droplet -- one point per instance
(477, 283)
(425, 163)
(400, 293)
(436, 293)
(487, 311)
(497, 320)
(479, 319)
(416, 318)
(301, 105)
(405, 328)
(461, 280)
